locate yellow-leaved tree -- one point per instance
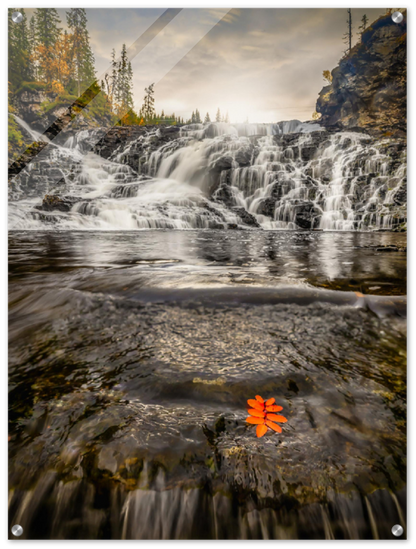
(55, 62)
(327, 76)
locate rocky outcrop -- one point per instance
(51, 114)
(29, 103)
(133, 145)
(368, 88)
(52, 203)
(116, 136)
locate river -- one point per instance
(132, 355)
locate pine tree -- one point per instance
(123, 91)
(363, 26)
(11, 45)
(129, 95)
(348, 34)
(47, 33)
(149, 103)
(193, 118)
(218, 116)
(197, 117)
(14, 76)
(33, 45)
(23, 46)
(109, 84)
(227, 119)
(46, 25)
(207, 119)
(84, 72)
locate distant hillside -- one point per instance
(368, 86)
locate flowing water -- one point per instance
(131, 359)
(286, 176)
(132, 352)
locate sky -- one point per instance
(264, 65)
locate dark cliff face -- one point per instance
(368, 89)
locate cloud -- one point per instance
(265, 64)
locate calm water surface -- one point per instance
(131, 358)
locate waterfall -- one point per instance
(36, 136)
(155, 511)
(287, 176)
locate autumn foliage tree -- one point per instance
(327, 76)
(55, 63)
(42, 55)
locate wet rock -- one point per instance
(292, 386)
(389, 248)
(400, 196)
(246, 218)
(307, 215)
(243, 156)
(308, 152)
(225, 195)
(267, 207)
(214, 173)
(59, 203)
(136, 143)
(223, 163)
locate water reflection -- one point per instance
(341, 261)
(123, 407)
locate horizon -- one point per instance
(263, 65)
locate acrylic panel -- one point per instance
(207, 273)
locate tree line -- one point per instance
(43, 55)
(41, 51)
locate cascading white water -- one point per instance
(36, 136)
(283, 176)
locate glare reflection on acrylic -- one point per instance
(207, 205)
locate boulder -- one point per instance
(246, 217)
(59, 203)
(307, 215)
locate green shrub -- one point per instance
(31, 86)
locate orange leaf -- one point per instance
(261, 430)
(256, 413)
(255, 420)
(275, 417)
(274, 408)
(258, 397)
(255, 404)
(273, 426)
(270, 401)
